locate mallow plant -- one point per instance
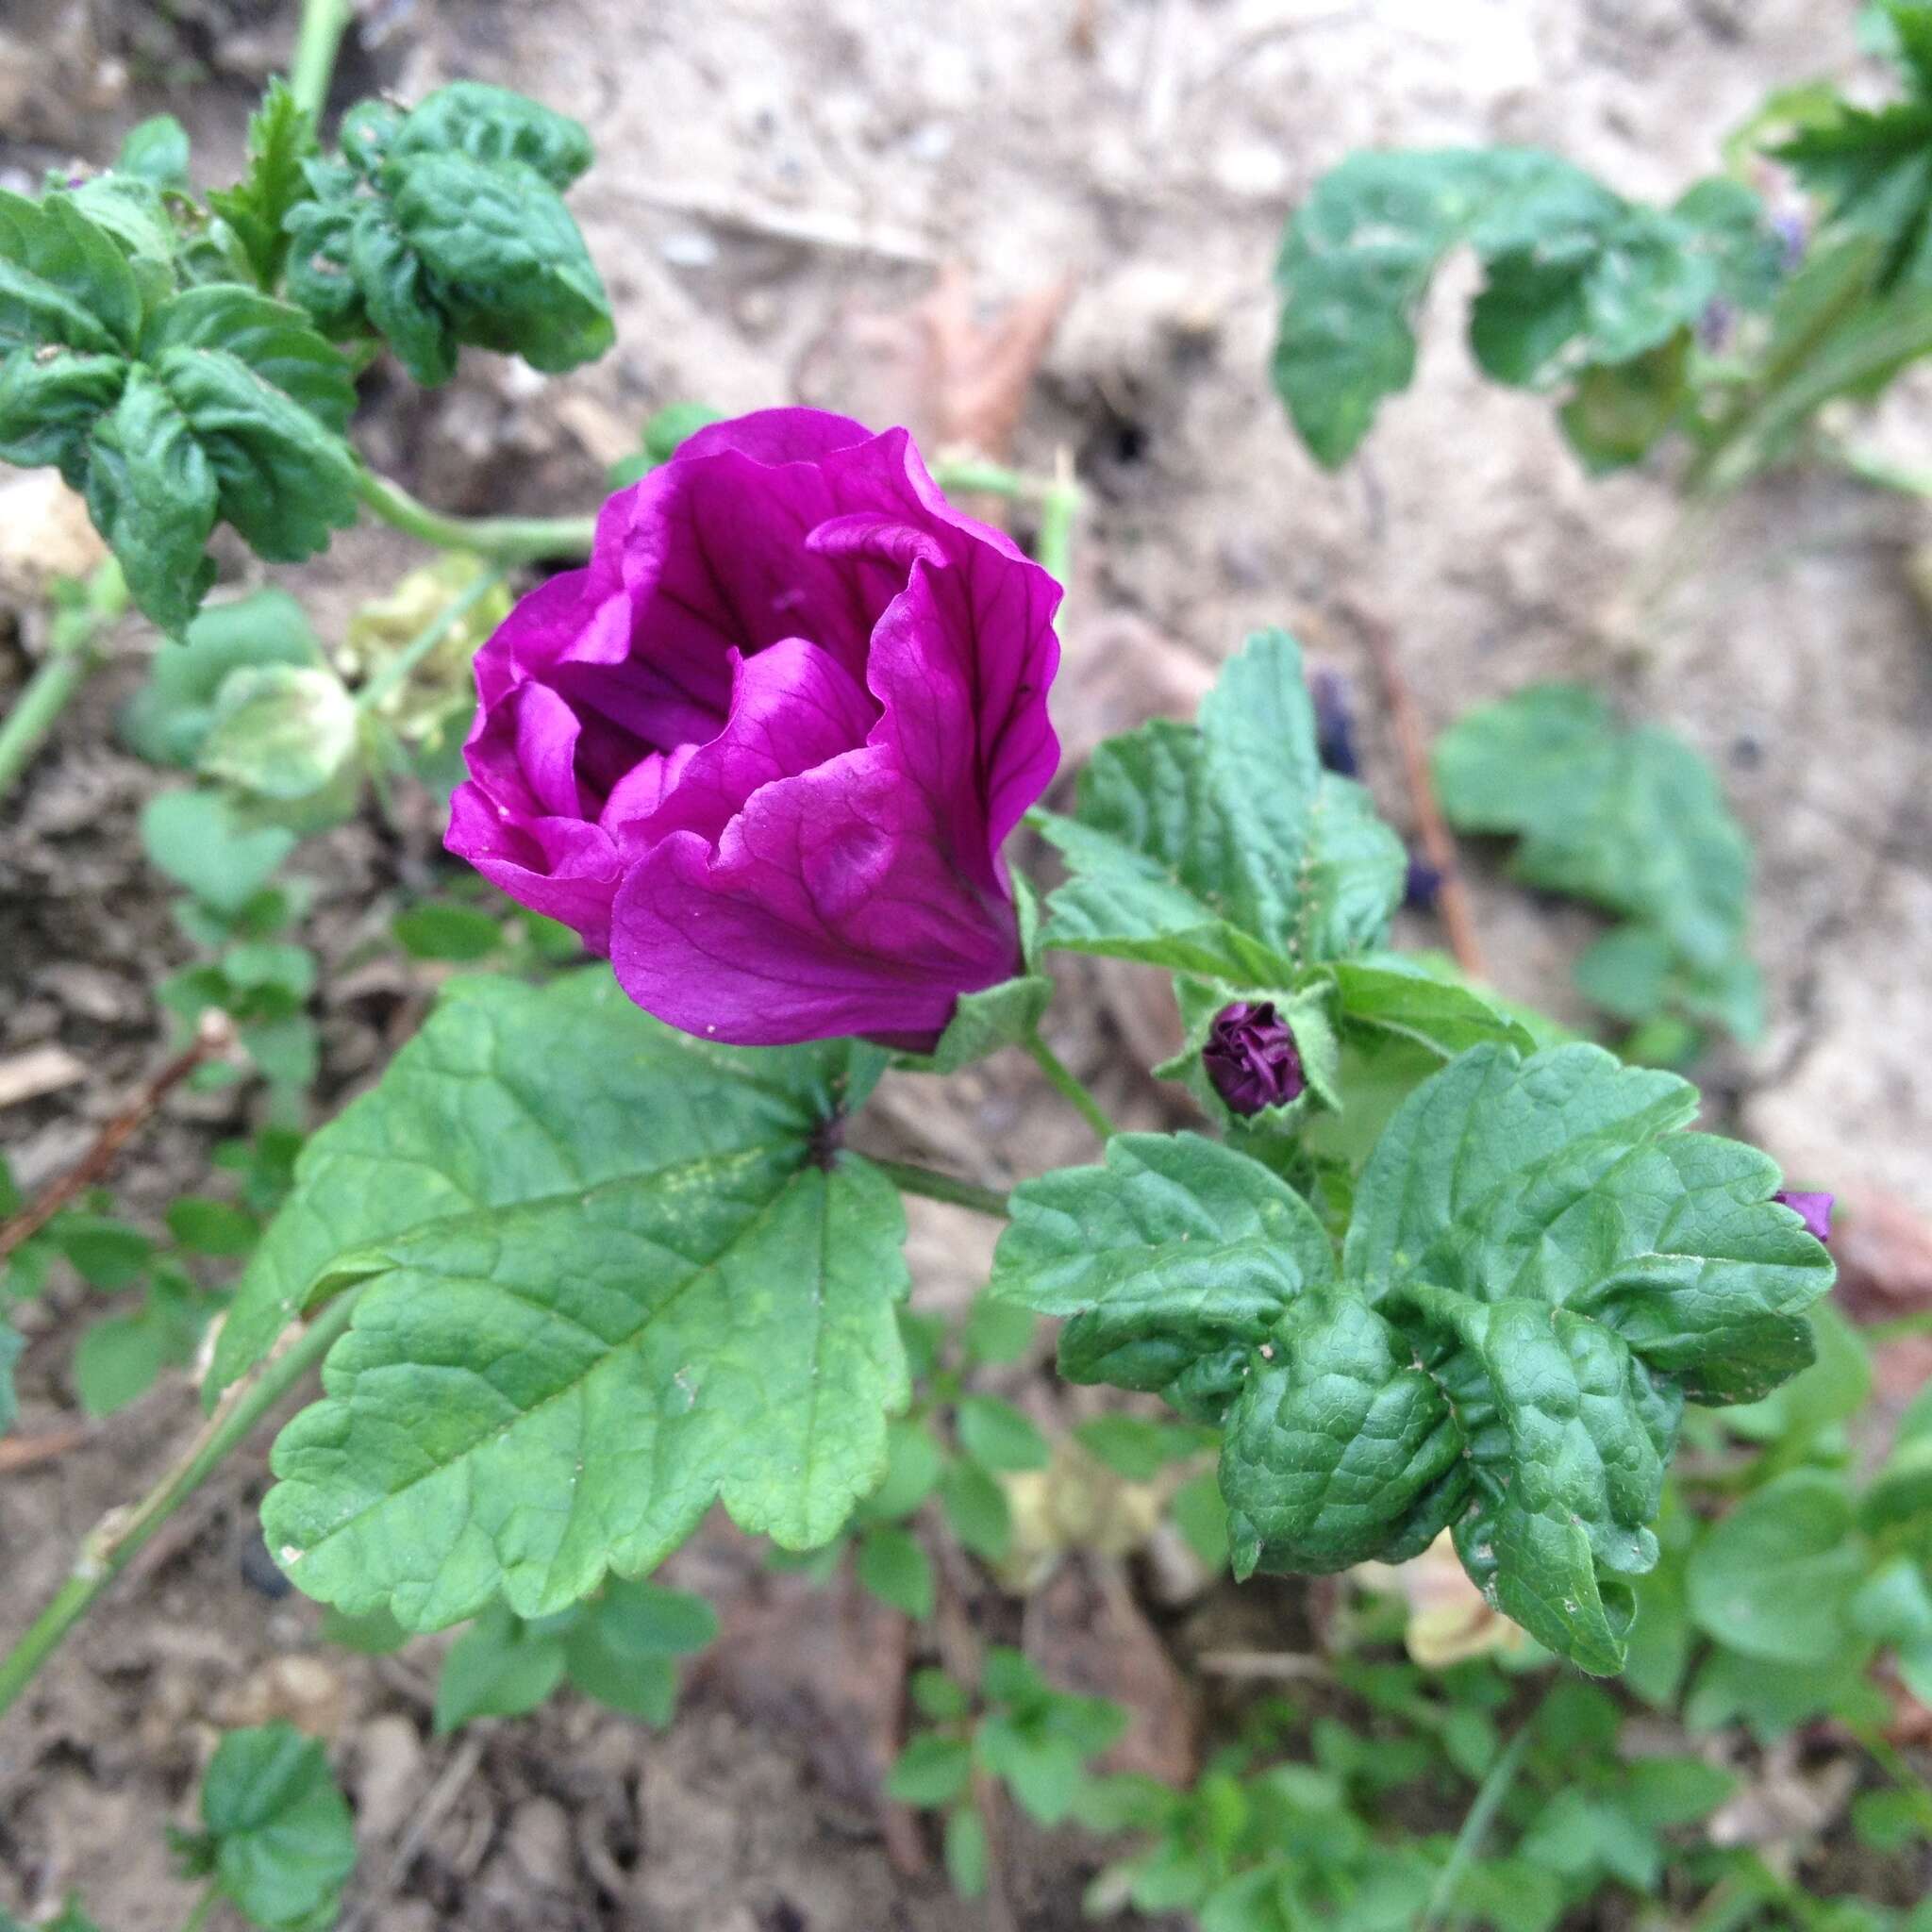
(597, 1253)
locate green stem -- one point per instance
(413, 653)
(202, 1907)
(1475, 1826)
(318, 40)
(34, 711)
(1877, 1333)
(1058, 497)
(1071, 1088)
(1059, 510)
(913, 1179)
(505, 541)
(1875, 470)
(113, 1543)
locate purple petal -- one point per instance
(1814, 1210)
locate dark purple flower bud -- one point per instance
(1814, 1210)
(1333, 724)
(1250, 1057)
(1422, 886)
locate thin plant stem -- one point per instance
(1068, 1086)
(1059, 510)
(406, 660)
(977, 476)
(53, 686)
(1475, 1826)
(1899, 1328)
(504, 541)
(913, 1179)
(205, 1905)
(318, 40)
(74, 654)
(107, 1550)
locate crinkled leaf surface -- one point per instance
(674, 1293)
(1225, 850)
(1632, 820)
(448, 226)
(1541, 1266)
(1576, 277)
(167, 410)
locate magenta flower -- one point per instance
(1251, 1058)
(765, 749)
(1814, 1210)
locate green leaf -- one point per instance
(1577, 281)
(448, 229)
(281, 135)
(939, 1696)
(1540, 1268)
(995, 1434)
(204, 1226)
(512, 1093)
(280, 731)
(117, 1360)
(1633, 821)
(913, 1467)
(1834, 1388)
(284, 1840)
(722, 1326)
(1201, 1517)
(1774, 1579)
(976, 1507)
(50, 402)
(1389, 994)
(1226, 851)
(495, 127)
(1169, 1264)
(169, 717)
(63, 283)
(198, 840)
(108, 1254)
(1043, 1772)
(892, 1566)
(458, 933)
(154, 495)
(272, 338)
(156, 150)
(932, 1770)
(622, 1649)
(500, 1667)
(1130, 1446)
(640, 1399)
(996, 1332)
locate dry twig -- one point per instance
(213, 1038)
(1439, 847)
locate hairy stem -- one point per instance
(503, 541)
(406, 660)
(107, 1550)
(1475, 1826)
(913, 1179)
(1068, 1086)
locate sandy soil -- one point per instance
(769, 179)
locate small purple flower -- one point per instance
(1790, 230)
(1250, 1057)
(764, 750)
(1814, 1210)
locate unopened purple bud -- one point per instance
(1790, 230)
(1422, 885)
(1814, 1210)
(1333, 724)
(1251, 1058)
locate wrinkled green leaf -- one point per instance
(1541, 1266)
(1225, 850)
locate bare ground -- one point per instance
(769, 177)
